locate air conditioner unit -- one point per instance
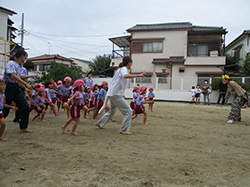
(214, 53)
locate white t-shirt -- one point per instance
(198, 90)
(193, 92)
(118, 83)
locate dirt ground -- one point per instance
(185, 145)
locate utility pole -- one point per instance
(49, 47)
(22, 30)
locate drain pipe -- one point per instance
(169, 66)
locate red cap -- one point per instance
(78, 83)
(67, 79)
(142, 88)
(104, 82)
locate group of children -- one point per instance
(73, 99)
(139, 99)
(196, 94)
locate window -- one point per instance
(146, 79)
(162, 78)
(44, 67)
(197, 50)
(152, 47)
(237, 54)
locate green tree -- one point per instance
(247, 64)
(59, 71)
(100, 63)
(232, 63)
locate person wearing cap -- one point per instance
(222, 91)
(87, 80)
(100, 99)
(151, 97)
(135, 96)
(139, 108)
(76, 99)
(12, 78)
(58, 96)
(39, 105)
(116, 96)
(2, 105)
(65, 91)
(48, 97)
(239, 95)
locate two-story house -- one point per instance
(174, 55)
(240, 46)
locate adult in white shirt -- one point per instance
(116, 96)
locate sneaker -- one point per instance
(230, 121)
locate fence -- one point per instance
(171, 89)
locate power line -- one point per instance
(81, 36)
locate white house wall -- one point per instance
(3, 33)
(240, 42)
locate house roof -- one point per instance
(7, 11)
(167, 60)
(84, 61)
(121, 41)
(176, 25)
(245, 32)
(48, 57)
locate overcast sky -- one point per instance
(81, 28)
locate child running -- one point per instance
(48, 97)
(2, 105)
(65, 90)
(76, 106)
(95, 96)
(139, 109)
(135, 96)
(151, 96)
(39, 105)
(58, 96)
(100, 99)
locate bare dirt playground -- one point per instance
(185, 145)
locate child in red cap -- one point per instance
(39, 105)
(151, 96)
(139, 109)
(75, 109)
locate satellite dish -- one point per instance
(247, 50)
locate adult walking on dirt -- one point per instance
(206, 93)
(13, 91)
(116, 96)
(239, 95)
(223, 91)
(87, 80)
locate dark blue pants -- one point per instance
(14, 93)
(222, 95)
(18, 113)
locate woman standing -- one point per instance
(239, 95)
(206, 93)
(13, 91)
(116, 96)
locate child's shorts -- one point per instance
(94, 101)
(139, 109)
(99, 103)
(75, 111)
(90, 104)
(132, 105)
(1, 114)
(64, 99)
(54, 100)
(32, 107)
(152, 100)
(197, 95)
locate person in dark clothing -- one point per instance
(223, 91)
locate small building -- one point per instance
(172, 54)
(7, 36)
(43, 62)
(240, 46)
(84, 64)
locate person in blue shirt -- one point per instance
(151, 97)
(88, 81)
(13, 92)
